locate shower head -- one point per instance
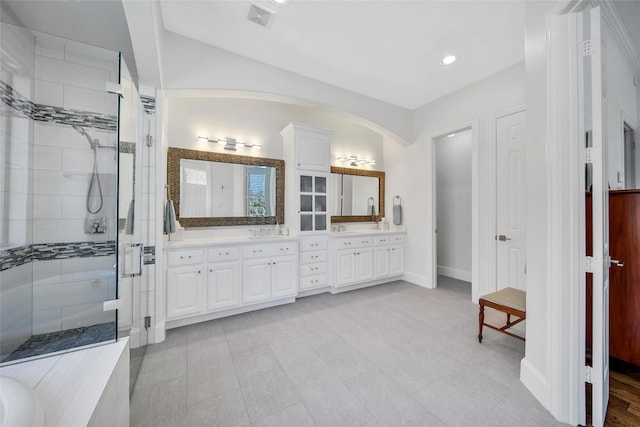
(92, 142)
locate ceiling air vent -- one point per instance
(260, 15)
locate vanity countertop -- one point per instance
(228, 240)
(355, 233)
(243, 240)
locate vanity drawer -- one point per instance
(354, 242)
(396, 239)
(286, 248)
(223, 254)
(313, 244)
(191, 256)
(311, 269)
(382, 240)
(315, 281)
(310, 257)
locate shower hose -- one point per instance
(95, 180)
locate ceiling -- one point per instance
(98, 23)
(388, 50)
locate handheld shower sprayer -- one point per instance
(92, 142)
(95, 177)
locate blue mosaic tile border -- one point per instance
(46, 113)
(16, 257)
(149, 255)
(149, 104)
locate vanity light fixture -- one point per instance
(355, 161)
(230, 143)
(449, 59)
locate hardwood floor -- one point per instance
(624, 396)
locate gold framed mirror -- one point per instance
(356, 195)
(217, 189)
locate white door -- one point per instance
(600, 223)
(511, 201)
(397, 260)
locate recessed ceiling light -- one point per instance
(451, 135)
(449, 59)
(280, 2)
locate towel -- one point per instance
(397, 214)
(372, 210)
(169, 218)
(128, 228)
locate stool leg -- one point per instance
(480, 322)
(508, 318)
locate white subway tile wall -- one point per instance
(17, 65)
(47, 84)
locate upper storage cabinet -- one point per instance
(307, 160)
(307, 147)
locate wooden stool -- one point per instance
(508, 300)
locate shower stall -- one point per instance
(59, 151)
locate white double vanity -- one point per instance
(212, 278)
(209, 278)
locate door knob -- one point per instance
(616, 262)
(502, 237)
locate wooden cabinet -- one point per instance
(624, 281)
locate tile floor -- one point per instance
(389, 355)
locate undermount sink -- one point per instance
(19, 404)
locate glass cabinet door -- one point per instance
(313, 202)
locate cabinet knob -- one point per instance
(210, 271)
(198, 271)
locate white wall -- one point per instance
(409, 169)
(621, 104)
(190, 65)
(453, 200)
(255, 121)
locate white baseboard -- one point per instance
(417, 279)
(454, 273)
(535, 382)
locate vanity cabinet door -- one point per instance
(312, 202)
(345, 267)
(185, 291)
(382, 264)
(223, 285)
(313, 152)
(364, 264)
(283, 276)
(256, 280)
(397, 260)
